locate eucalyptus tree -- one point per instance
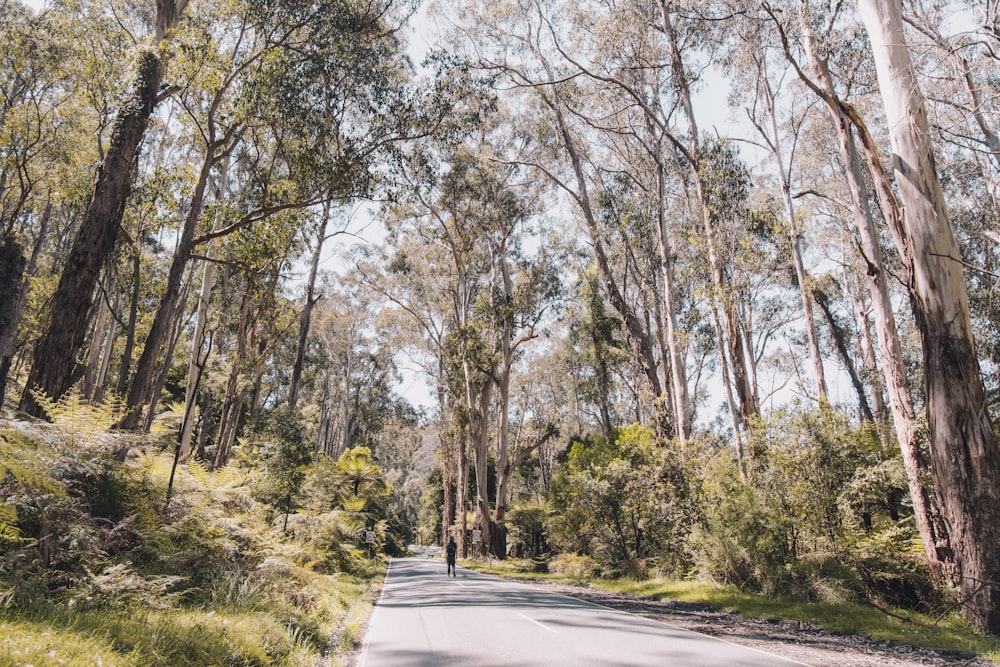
(482, 217)
(32, 83)
(953, 52)
(306, 95)
(964, 450)
(847, 122)
(53, 364)
(413, 274)
(763, 112)
(515, 45)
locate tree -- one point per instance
(53, 368)
(965, 453)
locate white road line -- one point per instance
(541, 625)
(652, 620)
(363, 655)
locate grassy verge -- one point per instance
(951, 633)
(260, 635)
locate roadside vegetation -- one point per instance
(262, 562)
(677, 290)
(817, 529)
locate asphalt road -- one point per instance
(425, 618)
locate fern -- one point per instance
(22, 460)
(172, 418)
(73, 411)
(9, 532)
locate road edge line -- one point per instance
(363, 655)
(652, 620)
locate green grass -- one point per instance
(339, 604)
(951, 633)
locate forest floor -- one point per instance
(804, 642)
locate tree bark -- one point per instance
(201, 348)
(125, 365)
(307, 308)
(12, 264)
(163, 368)
(722, 294)
(840, 340)
(54, 365)
(142, 382)
(774, 142)
(932, 533)
(965, 456)
(232, 400)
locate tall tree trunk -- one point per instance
(54, 368)
(637, 332)
(97, 344)
(734, 416)
(163, 369)
(478, 401)
(142, 382)
(964, 451)
(449, 473)
(101, 382)
(932, 533)
(232, 400)
(201, 342)
(462, 492)
(722, 293)
(307, 308)
(794, 230)
(125, 366)
(866, 350)
(12, 264)
(678, 366)
(201, 348)
(840, 340)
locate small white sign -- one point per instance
(477, 535)
(369, 536)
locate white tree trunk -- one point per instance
(965, 456)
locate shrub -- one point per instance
(573, 565)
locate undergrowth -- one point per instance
(96, 568)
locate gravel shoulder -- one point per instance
(799, 641)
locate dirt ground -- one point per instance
(799, 641)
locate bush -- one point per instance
(573, 565)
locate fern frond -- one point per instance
(75, 412)
(9, 532)
(172, 418)
(24, 460)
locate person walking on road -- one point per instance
(450, 551)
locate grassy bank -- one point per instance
(248, 633)
(96, 568)
(950, 633)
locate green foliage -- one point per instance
(617, 500)
(281, 447)
(75, 414)
(431, 507)
(208, 580)
(744, 536)
(821, 516)
(526, 530)
(573, 565)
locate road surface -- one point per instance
(426, 619)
